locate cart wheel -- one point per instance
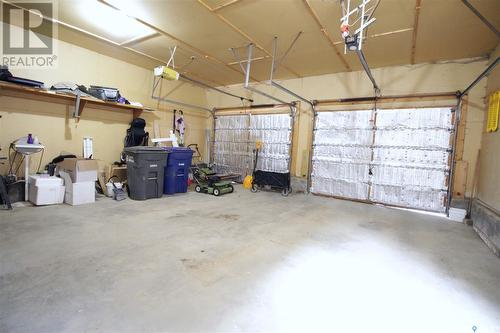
(286, 191)
(232, 188)
(216, 192)
(197, 188)
(254, 188)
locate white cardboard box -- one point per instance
(80, 170)
(45, 190)
(457, 214)
(78, 193)
(45, 180)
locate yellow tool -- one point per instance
(247, 182)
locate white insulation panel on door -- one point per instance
(275, 133)
(411, 157)
(232, 152)
(236, 136)
(342, 154)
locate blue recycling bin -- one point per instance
(177, 170)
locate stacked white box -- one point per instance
(45, 190)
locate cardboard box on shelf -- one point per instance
(45, 190)
(78, 193)
(79, 169)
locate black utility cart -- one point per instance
(275, 181)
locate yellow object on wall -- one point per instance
(493, 107)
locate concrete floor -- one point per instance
(243, 262)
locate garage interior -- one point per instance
(250, 165)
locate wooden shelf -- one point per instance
(15, 90)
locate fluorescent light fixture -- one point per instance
(112, 21)
(132, 8)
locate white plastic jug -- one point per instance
(110, 187)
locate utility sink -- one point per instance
(28, 149)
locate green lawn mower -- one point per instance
(207, 181)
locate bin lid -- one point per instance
(145, 150)
(178, 149)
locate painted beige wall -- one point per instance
(58, 131)
(53, 124)
(422, 78)
(489, 162)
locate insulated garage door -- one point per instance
(235, 138)
(411, 157)
(398, 157)
(342, 154)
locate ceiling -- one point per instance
(206, 29)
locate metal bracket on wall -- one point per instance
(79, 106)
(76, 112)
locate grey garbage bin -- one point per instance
(145, 171)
